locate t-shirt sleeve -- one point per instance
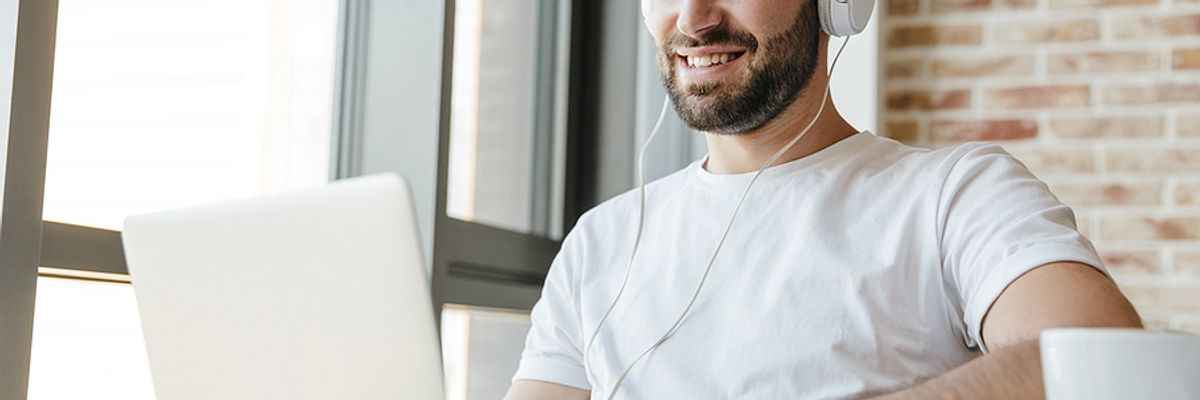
(997, 222)
(553, 349)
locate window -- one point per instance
(87, 343)
(159, 105)
(162, 105)
(505, 179)
(506, 136)
(481, 348)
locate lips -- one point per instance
(708, 66)
(708, 56)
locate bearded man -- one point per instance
(857, 266)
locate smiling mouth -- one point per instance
(710, 60)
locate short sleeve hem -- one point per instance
(1012, 268)
(553, 371)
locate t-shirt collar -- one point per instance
(839, 150)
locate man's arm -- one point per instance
(524, 389)
(1064, 294)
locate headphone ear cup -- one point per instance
(844, 17)
(824, 17)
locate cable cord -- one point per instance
(637, 238)
(704, 277)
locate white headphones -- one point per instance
(838, 17)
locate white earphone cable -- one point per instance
(704, 277)
(637, 238)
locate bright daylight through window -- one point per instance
(159, 105)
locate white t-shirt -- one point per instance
(864, 268)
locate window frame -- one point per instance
(479, 265)
(471, 264)
(23, 187)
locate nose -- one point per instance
(697, 17)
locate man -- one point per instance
(857, 267)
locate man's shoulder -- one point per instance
(890, 150)
(936, 160)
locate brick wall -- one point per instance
(1100, 98)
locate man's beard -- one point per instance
(739, 104)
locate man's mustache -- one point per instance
(720, 36)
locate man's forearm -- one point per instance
(1013, 372)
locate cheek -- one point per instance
(665, 63)
(659, 18)
(769, 18)
(659, 27)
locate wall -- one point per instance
(1100, 98)
(854, 93)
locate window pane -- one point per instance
(169, 103)
(87, 343)
(505, 132)
(481, 348)
(162, 104)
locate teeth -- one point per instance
(709, 60)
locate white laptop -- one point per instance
(319, 294)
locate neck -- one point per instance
(746, 152)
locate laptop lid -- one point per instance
(319, 294)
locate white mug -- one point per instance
(1103, 364)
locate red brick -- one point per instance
(1049, 31)
(1106, 127)
(904, 69)
(931, 35)
(1163, 92)
(1149, 228)
(897, 8)
(924, 100)
(1099, 194)
(982, 130)
(1017, 4)
(1185, 59)
(1159, 160)
(1058, 4)
(987, 66)
(1157, 26)
(1188, 125)
(1131, 261)
(1103, 62)
(953, 6)
(1187, 193)
(905, 131)
(1038, 96)
(1046, 160)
